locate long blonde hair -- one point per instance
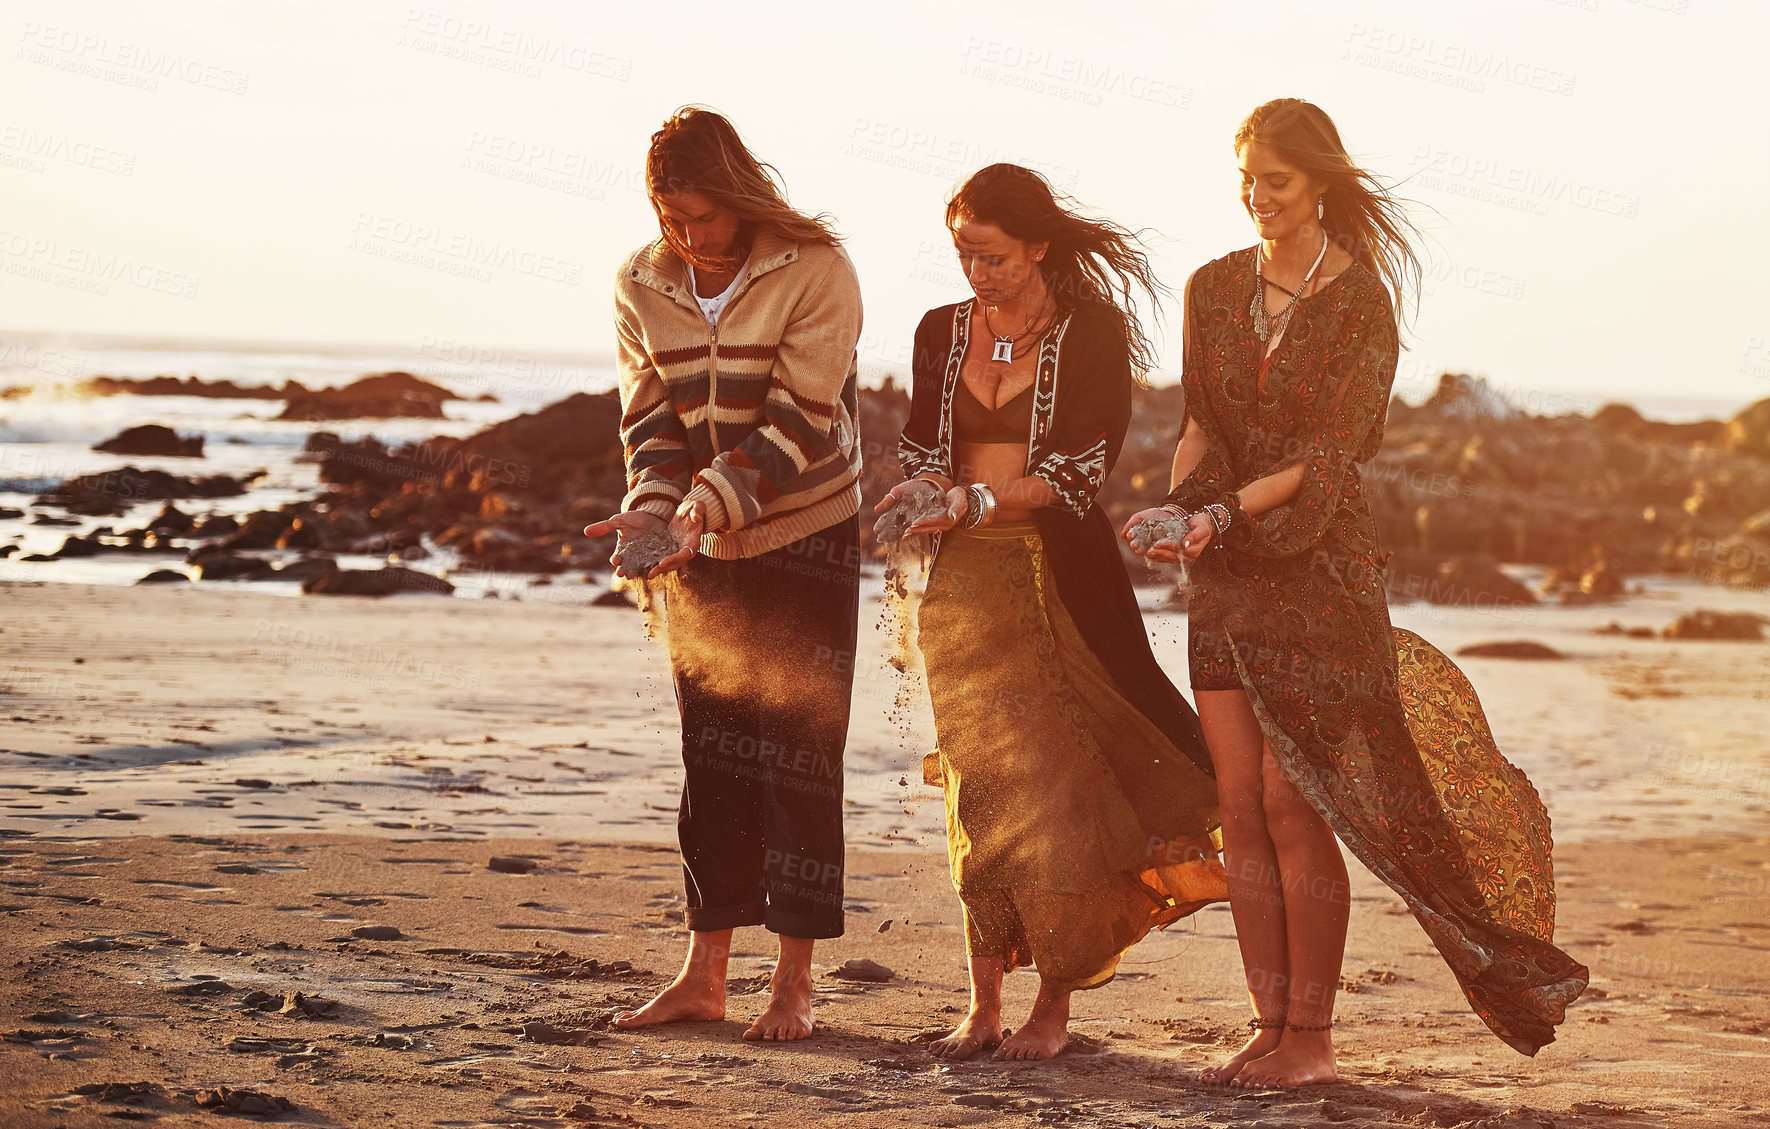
(1362, 216)
(699, 150)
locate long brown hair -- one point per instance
(1363, 216)
(1087, 261)
(699, 150)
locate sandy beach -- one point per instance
(212, 800)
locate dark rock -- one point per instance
(220, 564)
(373, 582)
(152, 439)
(382, 396)
(1511, 649)
(113, 491)
(864, 971)
(1702, 624)
(190, 386)
(215, 525)
(164, 576)
(509, 864)
(306, 567)
(79, 547)
(378, 933)
(1469, 581)
(261, 530)
(171, 521)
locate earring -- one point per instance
(1321, 207)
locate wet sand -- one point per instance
(230, 783)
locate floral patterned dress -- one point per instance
(1377, 728)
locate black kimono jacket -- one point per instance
(1081, 410)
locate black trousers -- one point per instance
(762, 654)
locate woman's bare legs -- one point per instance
(1288, 895)
(981, 1029)
(1256, 900)
(1317, 904)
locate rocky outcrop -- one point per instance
(1703, 624)
(114, 491)
(382, 396)
(374, 582)
(152, 439)
(189, 386)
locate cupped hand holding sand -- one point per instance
(646, 546)
(915, 506)
(1157, 535)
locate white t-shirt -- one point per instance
(712, 307)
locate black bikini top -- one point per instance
(974, 423)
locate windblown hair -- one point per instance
(1363, 216)
(1087, 260)
(698, 150)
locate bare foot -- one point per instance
(1045, 1032)
(1263, 1042)
(683, 1001)
(788, 1015)
(979, 1032)
(1294, 1063)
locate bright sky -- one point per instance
(453, 176)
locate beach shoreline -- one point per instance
(215, 782)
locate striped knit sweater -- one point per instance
(756, 418)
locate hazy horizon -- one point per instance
(398, 178)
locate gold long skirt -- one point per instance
(1074, 826)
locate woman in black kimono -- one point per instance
(1323, 719)
(1080, 806)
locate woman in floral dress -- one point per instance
(1323, 719)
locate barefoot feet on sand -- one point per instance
(980, 1031)
(685, 1001)
(1296, 1062)
(1262, 1043)
(1044, 1034)
(788, 1015)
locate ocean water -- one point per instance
(48, 428)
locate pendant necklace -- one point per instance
(1003, 352)
(1257, 308)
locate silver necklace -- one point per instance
(1257, 308)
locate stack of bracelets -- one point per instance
(1216, 511)
(980, 506)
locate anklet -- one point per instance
(1259, 1024)
(1328, 1026)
